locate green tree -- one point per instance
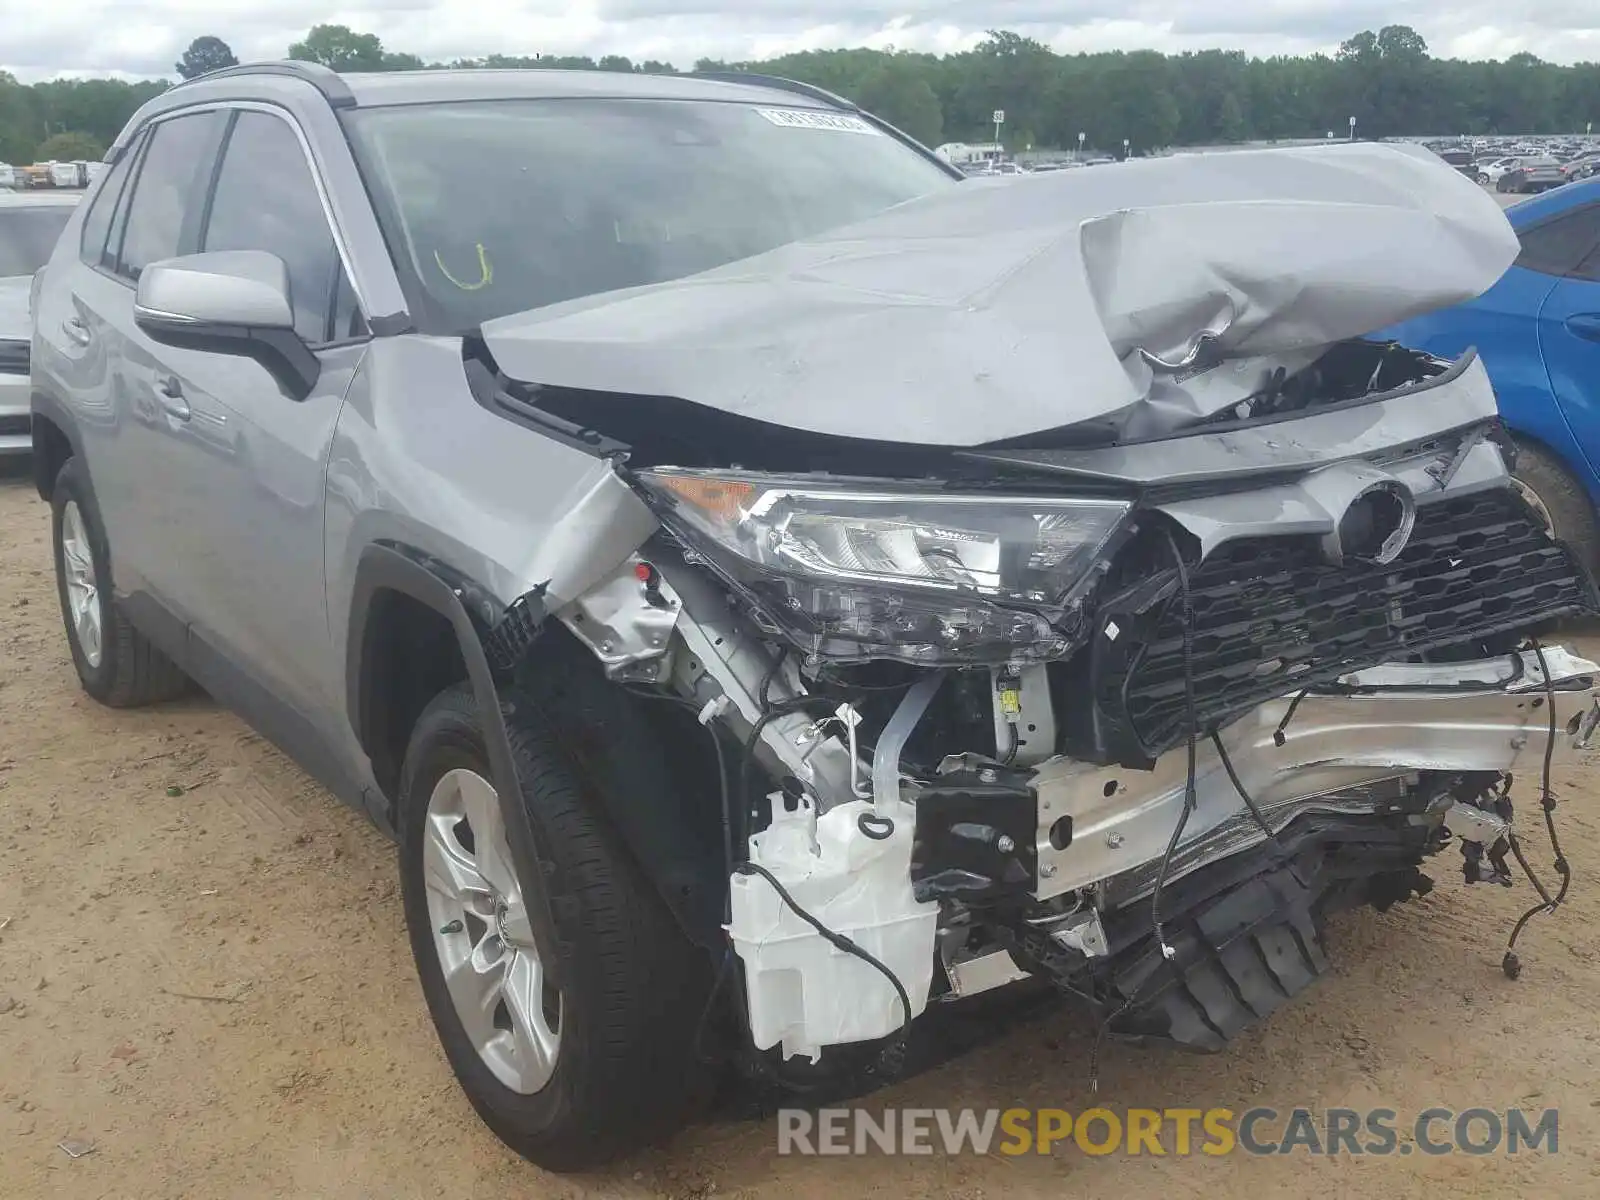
(205, 53)
(341, 48)
(896, 91)
(69, 146)
(1386, 79)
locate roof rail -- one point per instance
(777, 83)
(325, 79)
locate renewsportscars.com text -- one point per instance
(1175, 1132)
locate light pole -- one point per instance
(1124, 149)
(1352, 129)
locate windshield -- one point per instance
(496, 207)
(28, 235)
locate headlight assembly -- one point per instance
(857, 572)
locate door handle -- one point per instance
(76, 331)
(1585, 325)
(171, 393)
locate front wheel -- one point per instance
(1483, 178)
(571, 1077)
(1560, 502)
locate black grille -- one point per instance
(1271, 616)
(13, 357)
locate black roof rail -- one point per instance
(325, 79)
(779, 84)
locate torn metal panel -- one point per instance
(1144, 295)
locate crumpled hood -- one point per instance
(14, 318)
(993, 309)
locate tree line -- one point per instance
(1386, 80)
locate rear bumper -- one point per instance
(15, 415)
(1110, 823)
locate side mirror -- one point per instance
(228, 302)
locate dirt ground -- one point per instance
(204, 975)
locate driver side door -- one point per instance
(251, 467)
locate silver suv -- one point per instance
(771, 588)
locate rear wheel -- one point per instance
(570, 1077)
(116, 664)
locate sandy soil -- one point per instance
(203, 973)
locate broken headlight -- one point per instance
(853, 572)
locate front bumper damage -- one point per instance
(989, 873)
(1112, 824)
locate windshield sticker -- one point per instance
(798, 118)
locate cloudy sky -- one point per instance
(137, 38)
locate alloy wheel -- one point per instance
(492, 968)
(83, 589)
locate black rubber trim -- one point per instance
(411, 573)
(44, 405)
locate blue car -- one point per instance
(1538, 332)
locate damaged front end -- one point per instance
(1133, 733)
(1128, 703)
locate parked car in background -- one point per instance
(10, 177)
(30, 224)
(1538, 332)
(1580, 168)
(1535, 173)
(1491, 170)
(1461, 159)
(69, 174)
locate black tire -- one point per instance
(1571, 512)
(131, 672)
(634, 989)
(1482, 178)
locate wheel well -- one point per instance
(51, 449)
(409, 654)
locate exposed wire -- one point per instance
(1511, 964)
(1278, 734)
(1186, 614)
(1190, 800)
(1250, 803)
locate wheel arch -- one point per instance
(55, 439)
(386, 569)
(404, 601)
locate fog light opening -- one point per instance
(1378, 523)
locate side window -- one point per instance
(1558, 247)
(97, 221)
(266, 199)
(165, 208)
(119, 215)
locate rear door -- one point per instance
(157, 216)
(1569, 322)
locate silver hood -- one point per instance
(998, 308)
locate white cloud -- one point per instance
(142, 38)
